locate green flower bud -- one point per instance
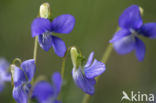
(45, 10)
(74, 55)
(141, 10)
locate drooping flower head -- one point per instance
(131, 27)
(84, 75)
(22, 77)
(44, 92)
(5, 76)
(44, 28)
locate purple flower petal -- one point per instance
(40, 26)
(90, 59)
(84, 83)
(124, 45)
(120, 34)
(18, 76)
(20, 95)
(29, 68)
(5, 76)
(43, 91)
(96, 69)
(63, 24)
(131, 18)
(59, 46)
(45, 41)
(57, 82)
(140, 49)
(4, 65)
(148, 30)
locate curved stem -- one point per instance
(104, 60)
(35, 48)
(17, 60)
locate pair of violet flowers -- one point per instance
(44, 28)
(43, 92)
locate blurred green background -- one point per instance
(96, 22)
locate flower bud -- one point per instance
(74, 55)
(141, 10)
(12, 70)
(45, 10)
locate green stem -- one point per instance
(35, 48)
(17, 60)
(63, 63)
(86, 98)
(35, 53)
(62, 72)
(104, 60)
(63, 67)
(107, 53)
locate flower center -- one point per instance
(134, 32)
(45, 36)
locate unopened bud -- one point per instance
(45, 10)
(141, 10)
(74, 55)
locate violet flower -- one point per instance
(131, 27)
(44, 92)
(44, 28)
(84, 75)
(22, 77)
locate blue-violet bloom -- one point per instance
(22, 77)
(44, 92)
(84, 76)
(44, 28)
(131, 27)
(5, 76)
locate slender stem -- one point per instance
(106, 57)
(63, 67)
(64, 62)
(86, 98)
(35, 53)
(104, 60)
(107, 53)
(35, 48)
(62, 72)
